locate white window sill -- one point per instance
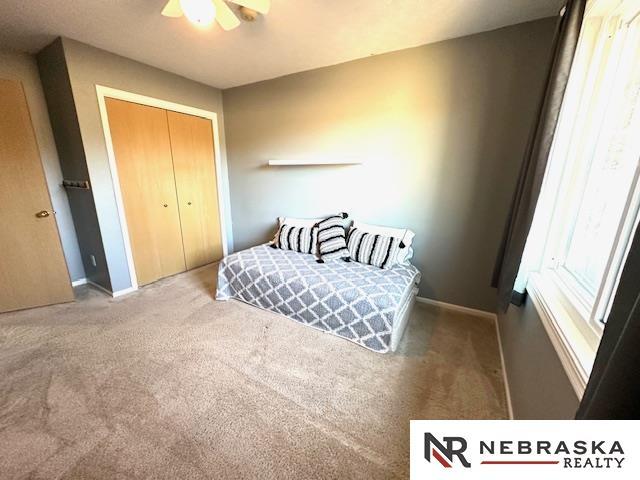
(576, 348)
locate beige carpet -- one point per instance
(166, 383)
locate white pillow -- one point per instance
(294, 222)
(404, 234)
(298, 222)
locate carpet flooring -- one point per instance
(167, 383)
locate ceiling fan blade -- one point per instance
(172, 9)
(225, 16)
(261, 6)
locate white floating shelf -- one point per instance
(315, 162)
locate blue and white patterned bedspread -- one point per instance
(352, 300)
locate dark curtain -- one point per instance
(534, 162)
(613, 391)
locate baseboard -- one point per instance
(99, 287)
(482, 314)
(505, 377)
(115, 294)
(457, 308)
(80, 281)
(124, 291)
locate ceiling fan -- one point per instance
(202, 13)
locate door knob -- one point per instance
(42, 214)
(165, 205)
(188, 203)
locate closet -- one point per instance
(166, 170)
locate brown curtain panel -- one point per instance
(536, 154)
(613, 391)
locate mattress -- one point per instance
(358, 302)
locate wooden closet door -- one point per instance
(142, 149)
(195, 173)
(33, 270)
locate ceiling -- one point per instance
(295, 35)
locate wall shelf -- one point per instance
(281, 163)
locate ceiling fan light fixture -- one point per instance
(248, 14)
(201, 13)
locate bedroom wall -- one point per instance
(440, 128)
(538, 384)
(89, 66)
(64, 122)
(22, 67)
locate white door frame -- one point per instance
(108, 92)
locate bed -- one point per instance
(361, 303)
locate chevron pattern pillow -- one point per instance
(332, 238)
(373, 249)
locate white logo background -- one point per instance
(626, 432)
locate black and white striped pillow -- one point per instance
(332, 238)
(298, 239)
(373, 249)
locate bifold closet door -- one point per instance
(195, 173)
(33, 271)
(142, 149)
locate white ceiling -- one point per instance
(295, 35)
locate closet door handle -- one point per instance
(188, 203)
(165, 205)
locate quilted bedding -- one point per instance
(351, 300)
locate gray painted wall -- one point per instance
(64, 122)
(87, 67)
(441, 128)
(538, 384)
(23, 67)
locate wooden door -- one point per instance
(142, 149)
(33, 271)
(195, 173)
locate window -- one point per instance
(589, 203)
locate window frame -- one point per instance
(572, 316)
